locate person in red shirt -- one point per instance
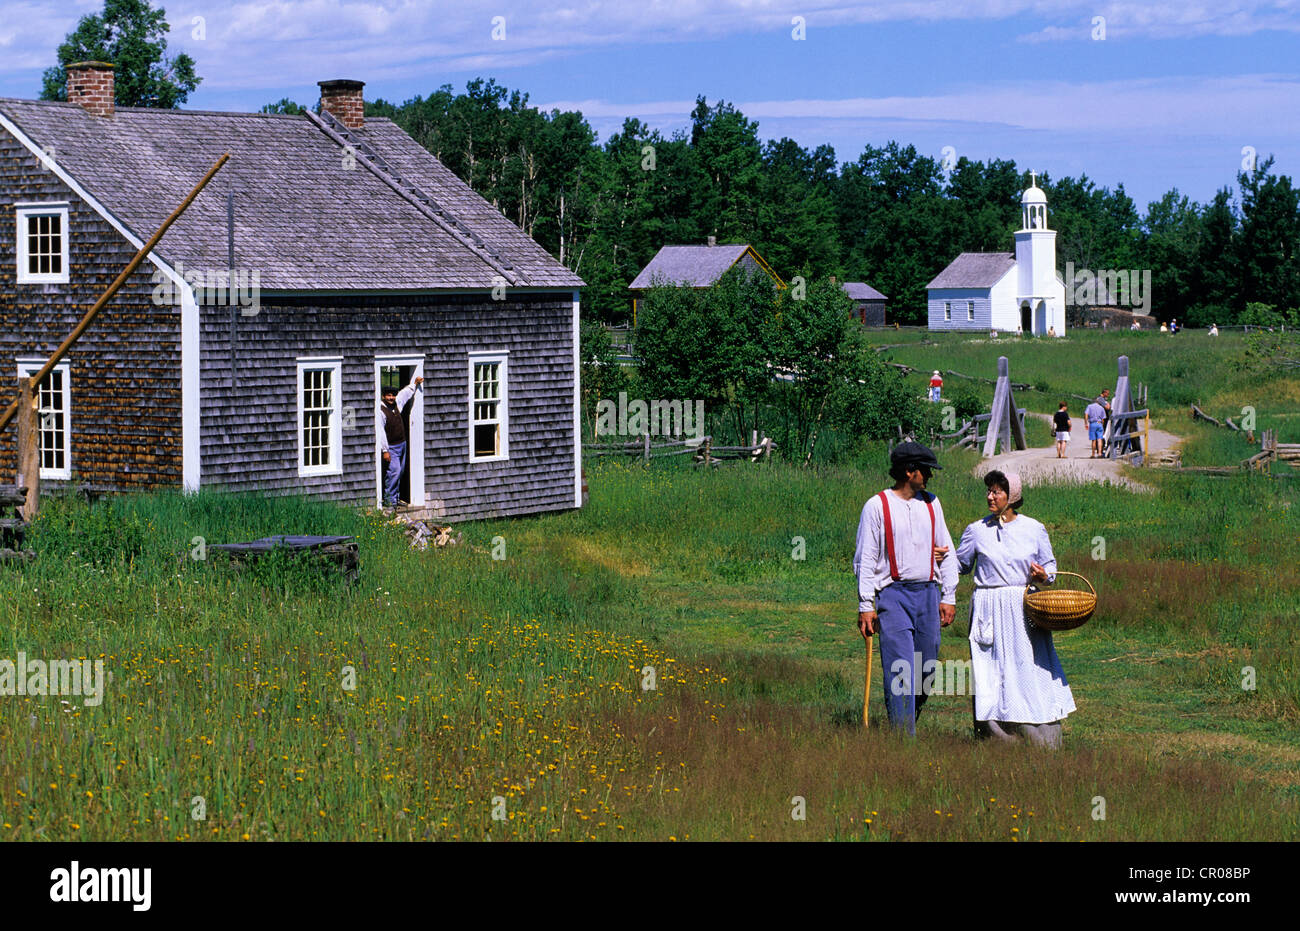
(936, 386)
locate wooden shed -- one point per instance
(868, 303)
(332, 254)
(697, 267)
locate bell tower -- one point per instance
(1036, 262)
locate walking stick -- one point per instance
(866, 691)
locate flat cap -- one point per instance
(915, 454)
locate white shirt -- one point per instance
(402, 397)
(913, 552)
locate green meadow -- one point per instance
(676, 661)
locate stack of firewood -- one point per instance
(422, 535)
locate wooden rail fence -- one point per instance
(702, 449)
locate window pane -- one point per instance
(485, 439)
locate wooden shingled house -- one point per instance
(869, 305)
(330, 256)
(697, 267)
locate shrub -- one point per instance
(103, 534)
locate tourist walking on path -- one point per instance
(906, 585)
(936, 386)
(1061, 423)
(1020, 688)
(1095, 415)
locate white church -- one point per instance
(1005, 291)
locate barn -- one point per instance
(332, 255)
(698, 266)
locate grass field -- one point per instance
(454, 695)
(1179, 370)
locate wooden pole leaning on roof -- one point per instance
(116, 286)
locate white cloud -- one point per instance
(1242, 104)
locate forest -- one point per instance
(892, 217)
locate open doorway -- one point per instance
(1026, 319)
(395, 374)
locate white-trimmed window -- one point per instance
(489, 421)
(42, 241)
(54, 399)
(970, 310)
(320, 416)
(947, 311)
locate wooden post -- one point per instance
(645, 437)
(1004, 424)
(1121, 404)
(29, 446)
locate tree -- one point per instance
(729, 153)
(131, 35)
(892, 219)
(806, 336)
(1214, 283)
(602, 377)
(1268, 241)
(709, 343)
(1172, 227)
(284, 105)
(796, 209)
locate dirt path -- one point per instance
(1039, 465)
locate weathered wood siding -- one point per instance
(870, 313)
(249, 432)
(125, 371)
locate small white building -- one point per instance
(1003, 291)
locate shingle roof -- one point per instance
(975, 270)
(861, 291)
(303, 219)
(694, 266)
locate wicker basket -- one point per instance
(1061, 609)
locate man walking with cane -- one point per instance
(906, 586)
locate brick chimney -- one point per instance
(343, 100)
(90, 83)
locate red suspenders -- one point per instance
(889, 536)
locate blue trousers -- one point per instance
(393, 477)
(908, 620)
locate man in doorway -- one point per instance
(391, 430)
(906, 586)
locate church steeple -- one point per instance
(1033, 206)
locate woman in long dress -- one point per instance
(1020, 688)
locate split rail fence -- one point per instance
(702, 449)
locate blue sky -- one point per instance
(1169, 97)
